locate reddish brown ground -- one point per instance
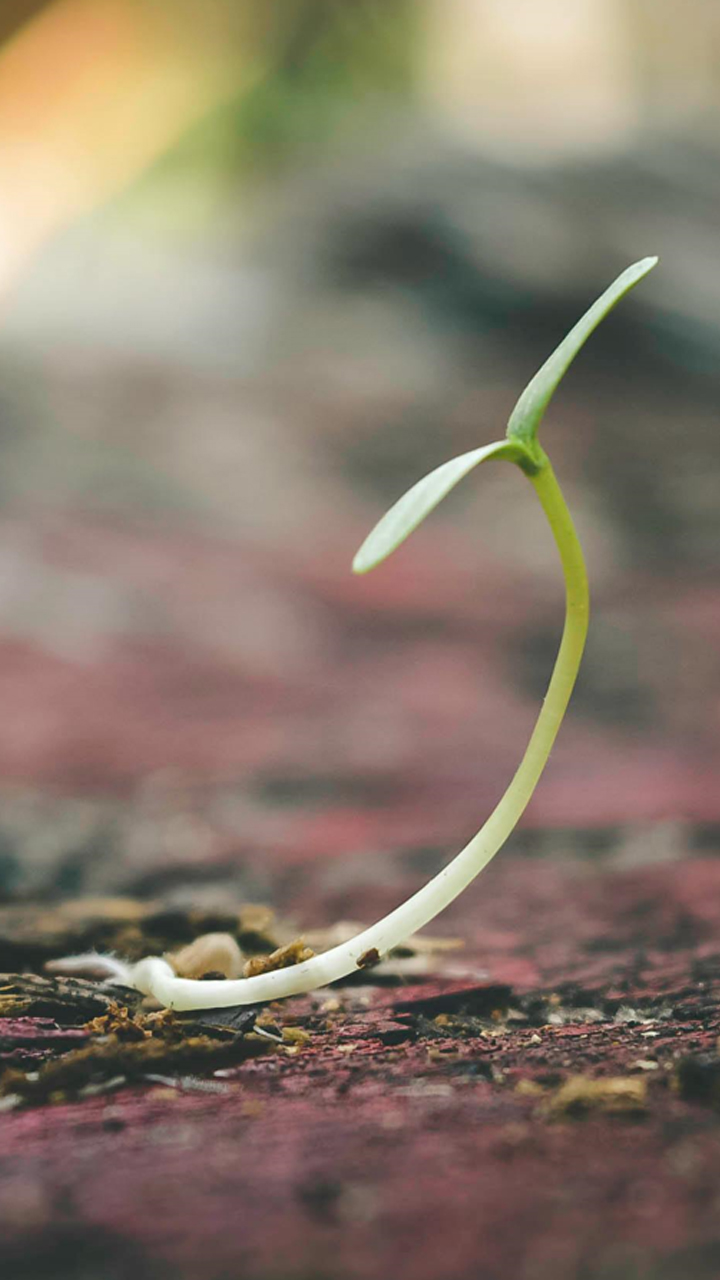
(420, 1129)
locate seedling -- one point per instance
(155, 976)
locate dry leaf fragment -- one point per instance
(613, 1095)
(292, 953)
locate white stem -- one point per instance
(155, 977)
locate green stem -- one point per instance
(492, 836)
(577, 607)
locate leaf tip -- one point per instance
(645, 264)
(362, 564)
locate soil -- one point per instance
(544, 1103)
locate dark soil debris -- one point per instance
(133, 1050)
(697, 1078)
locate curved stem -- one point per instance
(155, 977)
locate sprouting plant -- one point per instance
(155, 976)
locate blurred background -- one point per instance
(262, 265)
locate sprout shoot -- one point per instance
(156, 977)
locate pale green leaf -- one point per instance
(410, 510)
(527, 414)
